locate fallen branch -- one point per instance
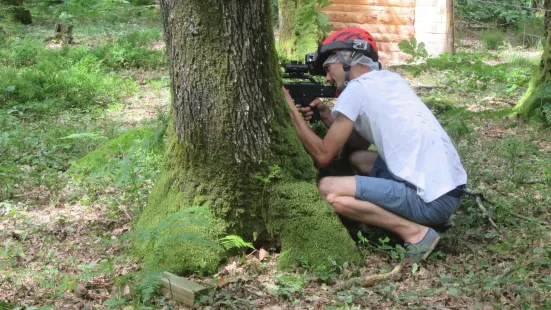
(536, 181)
(372, 279)
(531, 219)
(479, 198)
(485, 212)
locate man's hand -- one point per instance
(325, 113)
(289, 101)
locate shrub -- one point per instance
(492, 39)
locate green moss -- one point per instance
(309, 229)
(437, 104)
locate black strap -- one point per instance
(457, 192)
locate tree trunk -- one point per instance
(232, 147)
(286, 37)
(547, 7)
(537, 99)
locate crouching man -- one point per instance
(415, 181)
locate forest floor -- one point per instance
(75, 176)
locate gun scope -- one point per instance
(295, 67)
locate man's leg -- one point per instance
(340, 191)
(363, 161)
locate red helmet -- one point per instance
(354, 39)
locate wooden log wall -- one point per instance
(391, 21)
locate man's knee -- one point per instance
(326, 186)
(340, 186)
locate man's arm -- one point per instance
(355, 141)
(358, 142)
(322, 151)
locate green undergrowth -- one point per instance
(40, 80)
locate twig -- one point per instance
(505, 273)
(536, 181)
(530, 219)
(485, 212)
(121, 207)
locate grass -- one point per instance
(74, 176)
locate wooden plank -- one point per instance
(178, 297)
(186, 291)
(375, 28)
(369, 9)
(395, 3)
(370, 18)
(450, 44)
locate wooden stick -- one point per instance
(485, 212)
(530, 219)
(374, 279)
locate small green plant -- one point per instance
(289, 285)
(235, 242)
(492, 39)
(273, 174)
(416, 50)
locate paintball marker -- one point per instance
(304, 93)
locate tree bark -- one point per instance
(232, 147)
(547, 7)
(537, 99)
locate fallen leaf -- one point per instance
(262, 254)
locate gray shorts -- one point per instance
(382, 189)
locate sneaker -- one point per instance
(421, 250)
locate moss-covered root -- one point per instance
(309, 229)
(171, 234)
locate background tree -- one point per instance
(537, 100)
(16, 11)
(232, 147)
(301, 27)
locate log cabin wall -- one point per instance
(391, 21)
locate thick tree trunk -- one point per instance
(232, 146)
(537, 100)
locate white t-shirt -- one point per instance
(387, 112)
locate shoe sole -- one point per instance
(431, 248)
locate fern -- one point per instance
(234, 241)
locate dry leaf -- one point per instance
(262, 254)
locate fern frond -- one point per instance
(234, 241)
